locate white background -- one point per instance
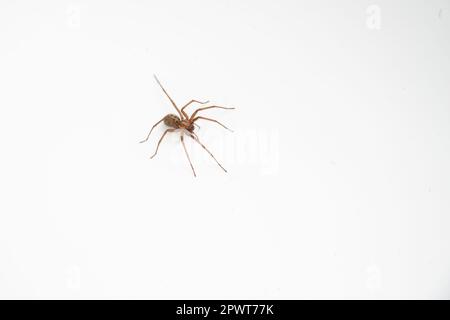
(338, 182)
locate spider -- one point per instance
(185, 124)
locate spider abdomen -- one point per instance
(172, 120)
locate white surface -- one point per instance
(338, 183)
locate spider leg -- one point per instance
(195, 135)
(173, 103)
(148, 136)
(198, 141)
(192, 101)
(162, 137)
(197, 118)
(210, 107)
(187, 154)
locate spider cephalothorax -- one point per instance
(185, 124)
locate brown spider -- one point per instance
(185, 124)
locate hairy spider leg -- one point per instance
(162, 137)
(209, 119)
(210, 107)
(187, 154)
(198, 141)
(192, 101)
(148, 136)
(173, 103)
